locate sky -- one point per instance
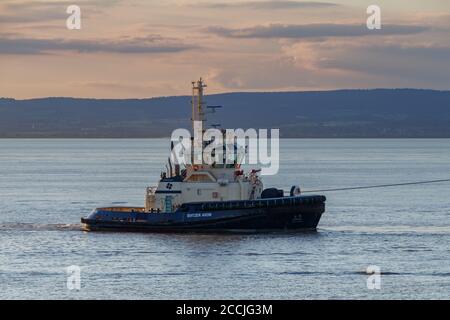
(149, 48)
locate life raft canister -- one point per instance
(295, 191)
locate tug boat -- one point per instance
(211, 198)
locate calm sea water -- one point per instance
(47, 185)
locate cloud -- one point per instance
(417, 63)
(39, 11)
(314, 31)
(10, 45)
(12, 5)
(267, 5)
(33, 16)
(340, 63)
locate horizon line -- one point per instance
(226, 93)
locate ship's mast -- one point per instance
(199, 113)
(198, 104)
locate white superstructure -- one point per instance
(202, 183)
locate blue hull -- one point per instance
(286, 213)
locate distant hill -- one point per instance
(376, 113)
